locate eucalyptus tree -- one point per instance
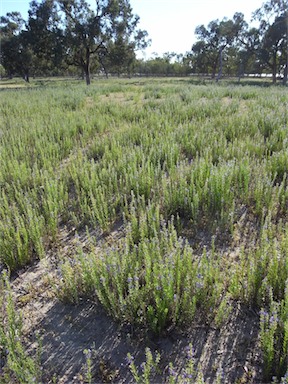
(120, 56)
(213, 40)
(273, 50)
(89, 32)
(273, 31)
(202, 56)
(34, 45)
(16, 54)
(45, 35)
(249, 40)
(124, 40)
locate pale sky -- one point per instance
(169, 23)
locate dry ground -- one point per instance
(67, 330)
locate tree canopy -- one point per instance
(61, 33)
(71, 36)
(247, 49)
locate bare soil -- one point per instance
(66, 330)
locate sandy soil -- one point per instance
(67, 330)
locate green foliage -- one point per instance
(16, 366)
(213, 41)
(188, 172)
(155, 283)
(149, 370)
(149, 367)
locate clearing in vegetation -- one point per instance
(144, 233)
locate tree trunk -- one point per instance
(214, 68)
(274, 76)
(87, 77)
(213, 72)
(240, 71)
(285, 73)
(274, 67)
(26, 77)
(220, 64)
(103, 66)
(87, 67)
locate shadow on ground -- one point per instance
(66, 331)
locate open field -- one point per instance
(143, 213)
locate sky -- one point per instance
(169, 23)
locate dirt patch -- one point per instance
(242, 106)
(89, 102)
(118, 97)
(66, 330)
(233, 349)
(226, 100)
(127, 98)
(12, 86)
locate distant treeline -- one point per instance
(68, 37)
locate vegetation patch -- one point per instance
(165, 221)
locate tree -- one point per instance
(213, 40)
(273, 29)
(120, 55)
(202, 57)
(273, 46)
(123, 43)
(170, 64)
(89, 32)
(44, 35)
(16, 54)
(208, 47)
(11, 24)
(10, 27)
(2, 71)
(248, 51)
(32, 46)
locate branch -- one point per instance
(247, 46)
(97, 7)
(101, 45)
(64, 9)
